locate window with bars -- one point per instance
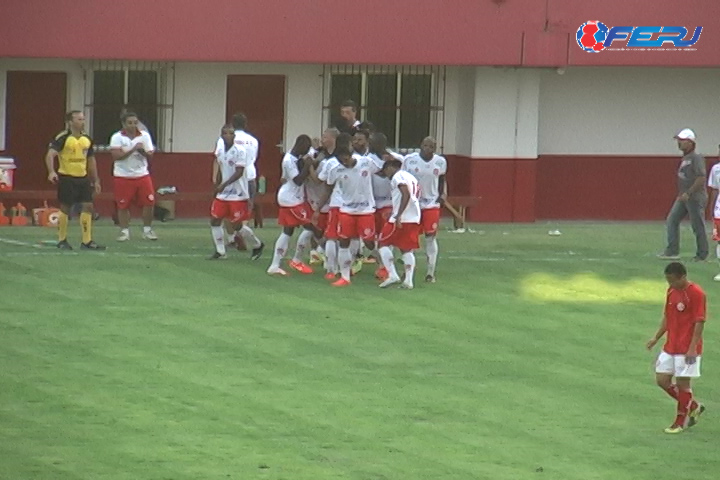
(405, 103)
(140, 87)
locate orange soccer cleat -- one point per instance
(341, 283)
(300, 267)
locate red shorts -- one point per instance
(430, 220)
(331, 230)
(138, 191)
(356, 226)
(296, 216)
(381, 218)
(234, 210)
(405, 238)
(716, 229)
(322, 221)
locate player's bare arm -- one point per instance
(659, 334)
(119, 154)
(691, 355)
(404, 201)
(304, 172)
(215, 174)
(713, 201)
(239, 172)
(441, 190)
(50, 164)
(93, 173)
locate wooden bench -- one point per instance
(462, 203)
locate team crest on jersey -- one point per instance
(436, 172)
(364, 173)
(681, 307)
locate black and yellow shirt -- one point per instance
(73, 153)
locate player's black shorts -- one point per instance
(72, 190)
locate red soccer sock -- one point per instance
(683, 407)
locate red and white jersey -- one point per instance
(324, 174)
(315, 190)
(290, 194)
(136, 165)
(251, 146)
(355, 185)
(381, 185)
(714, 182)
(228, 160)
(411, 214)
(428, 176)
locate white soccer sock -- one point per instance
(302, 245)
(375, 253)
(409, 261)
(125, 231)
(345, 258)
(386, 254)
(717, 251)
(219, 239)
(431, 248)
(249, 236)
(355, 247)
(331, 256)
(320, 249)
(281, 246)
(147, 229)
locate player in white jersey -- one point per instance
(232, 196)
(403, 227)
(316, 190)
(357, 206)
(294, 211)
(430, 170)
(131, 148)
(714, 183)
(381, 192)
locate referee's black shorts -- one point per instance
(72, 190)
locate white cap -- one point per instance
(686, 134)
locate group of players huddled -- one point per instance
(349, 191)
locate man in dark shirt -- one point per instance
(691, 200)
(348, 122)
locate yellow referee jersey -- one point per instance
(73, 153)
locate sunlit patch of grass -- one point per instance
(589, 288)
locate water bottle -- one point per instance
(261, 184)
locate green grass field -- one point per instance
(525, 361)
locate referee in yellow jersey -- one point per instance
(76, 178)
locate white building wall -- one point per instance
(628, 111)
(459, 98)
(200, 99)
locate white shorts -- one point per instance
(675, 365)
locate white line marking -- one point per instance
(19, 243)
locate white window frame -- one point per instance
(165, 96)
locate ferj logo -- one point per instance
(594, 36)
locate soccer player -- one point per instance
(430, 170)
(294, 209)
(76, 178)
(683, 321)
(381, 191)
(714, 184)
(353, 176)
(316, 189)
(131, 148)
(403, 227)
(232, 196)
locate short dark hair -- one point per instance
(126, 115)
(369, 126)
(343, 140)
(364, 133)
(227, 126)
(341, 150)
(69, 116)
(239, 121)
(676, 268)
(393, 162)
(349, 103)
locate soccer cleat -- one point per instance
(429, 279)
(667, 256)
(91, 245)
(674, 429)
(300, 267)
(699, 259)
(257, 252)
(356, 266)
(330, 276)
(717, 277)
(150, 235)
(316, 258)
(389, 281)
(123, 237)
(341, 283)
(406, 286)
(277, 271)
(695, 415)
(381, 273)
(218, 256)
(64, 245)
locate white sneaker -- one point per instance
(717, 277)
(123, 237)
(150, 235)
(406, 286)
(390, 281)
(276, 271)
